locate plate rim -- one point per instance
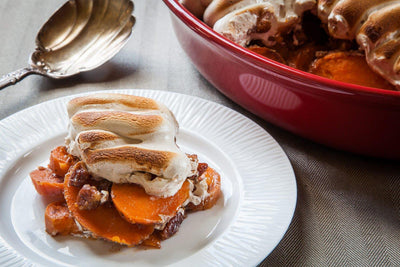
(19, 259)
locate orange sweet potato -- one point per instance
(153, 241)
(60, 161)
(59, 221)
(350, 67)
(47, 183)
(138, 207)
(268, 53)
(214, 190)
(302, 57)
(105, 221)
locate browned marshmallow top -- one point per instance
(245, 20)
(375, 24)
(128, 139)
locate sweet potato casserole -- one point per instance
(120, 176)
(352, 41)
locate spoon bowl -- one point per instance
(80, 36)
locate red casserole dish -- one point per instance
(350, 117)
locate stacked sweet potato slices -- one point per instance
(128, 216)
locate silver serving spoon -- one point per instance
(80, 36)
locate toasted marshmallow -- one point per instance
(345, 17)
(374, 24)
(245, 20)
(325, 8)
(128, 139)
(380, 38)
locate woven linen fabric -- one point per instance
(348, 207)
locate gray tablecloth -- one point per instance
(348, 210)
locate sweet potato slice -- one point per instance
(153, 241)
(267, 52)
(303, 56)
(138, 207)
(105, 221)
(60, 161)
(47, 183)
(214, 190)
(350, 67)
(59, 221)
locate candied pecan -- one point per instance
(102, 184)
(201, 168)
(172, 226)
(105, 197)
(79, 175)
(89, 198)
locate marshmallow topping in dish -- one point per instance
(121, 177)
(128, 139)
(303, 32)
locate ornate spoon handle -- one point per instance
(15, 76)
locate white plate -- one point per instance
(258, 184)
